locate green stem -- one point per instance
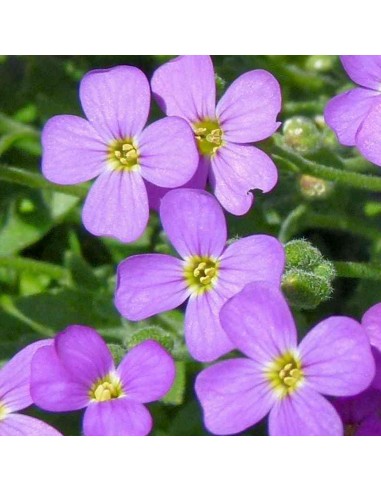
(33, 266)
(35, 180)
(349, 269)
(306, 166)
(9, 125)
(291, 223)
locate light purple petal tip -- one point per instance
(186, 87)
(116, 101)
(147, 372)
(15, 377)
(371, 321)
(168, 152)
(149, 284)
(52, 387)
(73, 152)
(345, 113)
(368, 139)
(84, 354)
(117, 206)
(118, 417)
(259, 322)
(248, 110)
(204, 336)
(238, 169)
(194, 222)
(22, 425)
(336, 357)
(365, 70)
(233, 395)
(304, 413)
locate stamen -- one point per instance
(106, 389)
(123, 155)
(208, 135)
(285, 373)
(201, 273)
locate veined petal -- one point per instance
(345, 113)
(15, 377)
(168, 153)
(259, 322)
(118, 417)
(253, 258)
(116, 101)
(197, 181)
(248, 110)
(52, 387)
(336, 357)
(117, 206)
(238, 169)
(73, 152)
(16, 424)
(233, 395)
(368, 139)
(149, 284)
(304, 413)
(186, 87)
(365, 70)
(147, 372)
(84, 354)
(204, 336)
(194, 222)
(371, 321)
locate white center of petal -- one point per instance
(106, 388)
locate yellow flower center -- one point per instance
(209, 136)
(201, 273)
(3, 411)
(107, 388)
(285, 374)
(123, 155)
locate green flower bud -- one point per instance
(308, 278)
(301, 134)
(117, 352)
(152, 333)
(320, 63)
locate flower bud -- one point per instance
(308, 278)
(152, 333)
(314, 188)
(301, 134)
(320, 63)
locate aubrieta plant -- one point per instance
(226, 309)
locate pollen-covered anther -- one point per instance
(209, 136)
(123, 155)
(106, 389)
(201, 272)
(285, 374)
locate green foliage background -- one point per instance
(54, 273)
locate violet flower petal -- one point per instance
(368, 139)
(259, 322)
(252, 258)
(247, 111)
(204, 336)
(73, 152)
(238, 169)
(345, 113)
(117, 206)
(116, 101)
(149, 284)
(84, 354)
(304, 413)
(370, 426)
(336, 357)
(233, 395)
(147, 372)
(117, 417)
(52, 387)
(168, 152)
(16, 424)
(186, 87)
(194, 222)
(371, 321)
(15, 377)
(364, 70)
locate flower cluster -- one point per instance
(328, 384)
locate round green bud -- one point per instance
(320, 63)
(152, 333)
(301, 134)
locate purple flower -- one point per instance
(15, 395)
(246, 113)
(208, 273)
(279, 376)
(112, 145)
(78, 372)
(355, 115)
